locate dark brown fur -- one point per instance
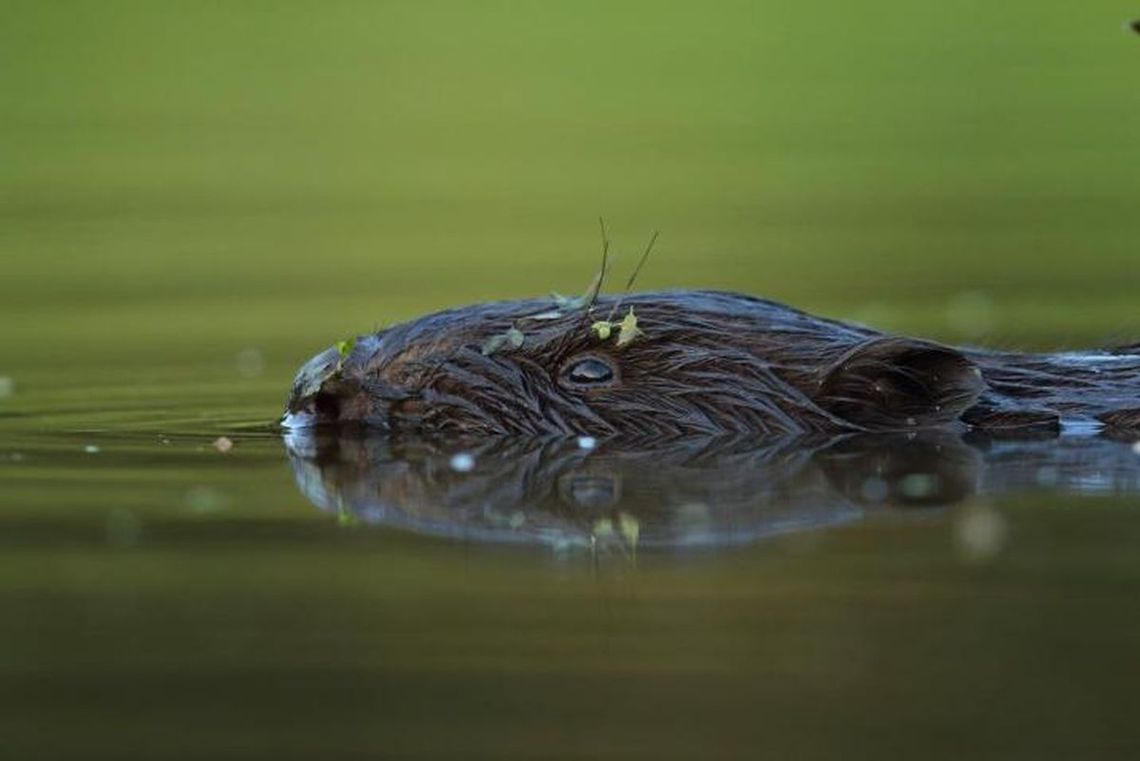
(706, 363)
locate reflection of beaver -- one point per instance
(694, 362)
(685, 492)
(680, 493)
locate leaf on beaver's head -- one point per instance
(568, 303)
(343, 349)
(509, 339)
(627, 329)
(563, 306)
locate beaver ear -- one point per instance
(891, 383)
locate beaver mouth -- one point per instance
(335, 404)
(321, 409)
(339, 405)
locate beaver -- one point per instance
(681, 363)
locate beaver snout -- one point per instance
(336, 403)
(322, 408)
(326, 393)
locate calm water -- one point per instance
(344, 597)
(194, 198)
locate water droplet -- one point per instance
(223, 444)
(91, 449)
(979, 533)
(462, 462)
(587, 442)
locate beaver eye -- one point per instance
(591, 371)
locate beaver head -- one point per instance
(653, 364)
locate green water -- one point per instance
(196, 197)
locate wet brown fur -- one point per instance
(708, 363)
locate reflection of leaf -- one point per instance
(627, 329)
(630, 528)
(345, 517)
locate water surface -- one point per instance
(165, 598)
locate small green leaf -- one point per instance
(627, 329)
(493, 344)
(568, 303)
(343, 349)
(512, 338)
(602, 329)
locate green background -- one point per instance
(179, 181)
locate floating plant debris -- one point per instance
(509, 339)
(627, 329)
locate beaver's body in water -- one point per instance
(697, 363)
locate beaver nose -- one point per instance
(319, 409)
(338, 401)
(303, 409)
(324, 392)
(339, 387)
